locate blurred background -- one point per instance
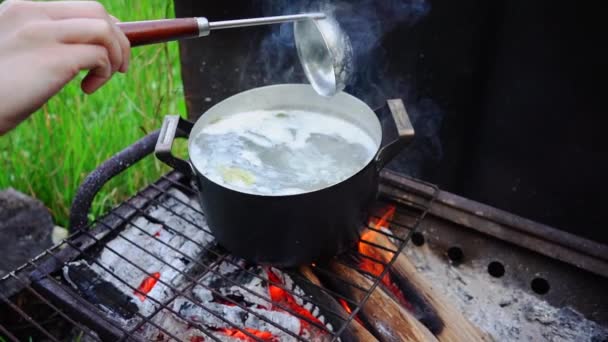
(505, 97)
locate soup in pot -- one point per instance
(280, 152)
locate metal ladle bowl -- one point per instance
(325, 53)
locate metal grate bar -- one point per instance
(163, 305)
(180, 292)
(326, 290)
(329, 273)
(375, 245)
(147, 320)
(210, 250)
(196, 225)
(358, 254)
(27, 318)
(48, 303)
(83, 301)
(293, 293)
(208, 269)
(411, 211)
(326, 310)
(8, 334)
(386, 269)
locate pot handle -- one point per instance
(404, 129)
(173, 126)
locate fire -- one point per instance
(371, 251)
(345, 306)
(278, 295)
(348, 310)
(238, 334)
(146, 286)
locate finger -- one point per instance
(70, 9)
(125, 47)
(95, 79)
(88, 9)
(87, 31)
(90, 57)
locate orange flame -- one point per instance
(371, 251)
(238, 334)
(146, 286)
(348, 310)
(278, 295)
(345, 305)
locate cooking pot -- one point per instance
(289, 230)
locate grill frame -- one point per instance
(38, 276)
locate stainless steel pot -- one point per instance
(289, 230)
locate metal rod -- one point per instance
(55, 285)
(163, 305)
(55, 308)
(154, 197)
(28, 318)
(218, 25)
(211, 269)
(253, 274)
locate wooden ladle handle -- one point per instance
(158, 31)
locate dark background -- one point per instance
(507, 97)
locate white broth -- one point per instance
(282, 152)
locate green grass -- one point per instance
(50, 154)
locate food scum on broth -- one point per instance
(280, 152)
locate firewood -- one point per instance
(355, 331)
(456, 327)
(387, 320)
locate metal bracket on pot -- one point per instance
(173, 126)
(404, 129)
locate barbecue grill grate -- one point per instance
(42, 304)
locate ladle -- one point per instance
(326, 54)
(324, 50)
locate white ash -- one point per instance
(256, 285)
(238, 317)
(289, 284)
(507, 313)
(152, 249)
(196, 306)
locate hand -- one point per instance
(43, 45)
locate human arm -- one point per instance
(44, 45)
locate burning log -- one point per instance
(455, 326)
(387, 320)
(446, 323)
(355, 331)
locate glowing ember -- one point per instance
(146, 286)
(238, 334)
(278, 295)
(348, 310)
(371, 251)
(197, 339)
(387, 216)
(157, 234)
(345, 305)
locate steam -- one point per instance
(367, 23)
